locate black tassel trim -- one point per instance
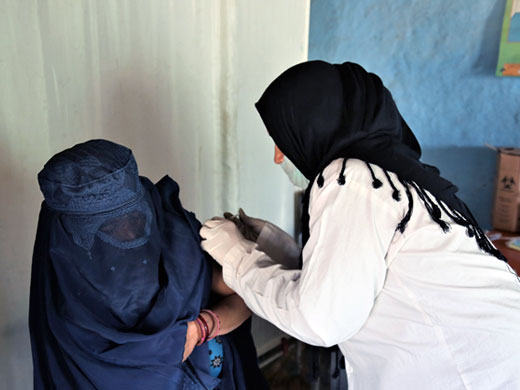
(473, 230)
(482, 239)
(404, 222)
(435, 208)
(432, 208)
(470, 231)
(376, 183)
(485, 244)
(459, 219)
(341, 178)
(395, 194)
(321, 180)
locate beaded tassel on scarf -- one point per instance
(434, 206)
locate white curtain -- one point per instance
(176, 81)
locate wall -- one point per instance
(438, 59)
(173, 80)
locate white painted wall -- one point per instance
(173, 80)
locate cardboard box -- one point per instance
(506, 208)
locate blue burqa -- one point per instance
(117, 273)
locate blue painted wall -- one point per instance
(438, 59)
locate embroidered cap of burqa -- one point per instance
(117, 274)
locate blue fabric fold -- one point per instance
(109, 316)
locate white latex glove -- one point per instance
(220, 236)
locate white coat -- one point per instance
(421, 309)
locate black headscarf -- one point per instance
(317, 112)
(117, 273)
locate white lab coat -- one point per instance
(418, 310)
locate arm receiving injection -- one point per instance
(224, 317)
(274, 241)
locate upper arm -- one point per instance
(217, 283)
(344, 268)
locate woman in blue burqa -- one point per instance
(121, 293)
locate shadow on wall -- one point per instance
(15, 236)
(473, 170)
(134, 112)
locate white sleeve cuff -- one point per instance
(232, 261)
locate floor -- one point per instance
(302, 367)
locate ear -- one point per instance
(278, 155)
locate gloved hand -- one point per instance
(248, 226)
(277, 243)
(220, 236)
(255, 224)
